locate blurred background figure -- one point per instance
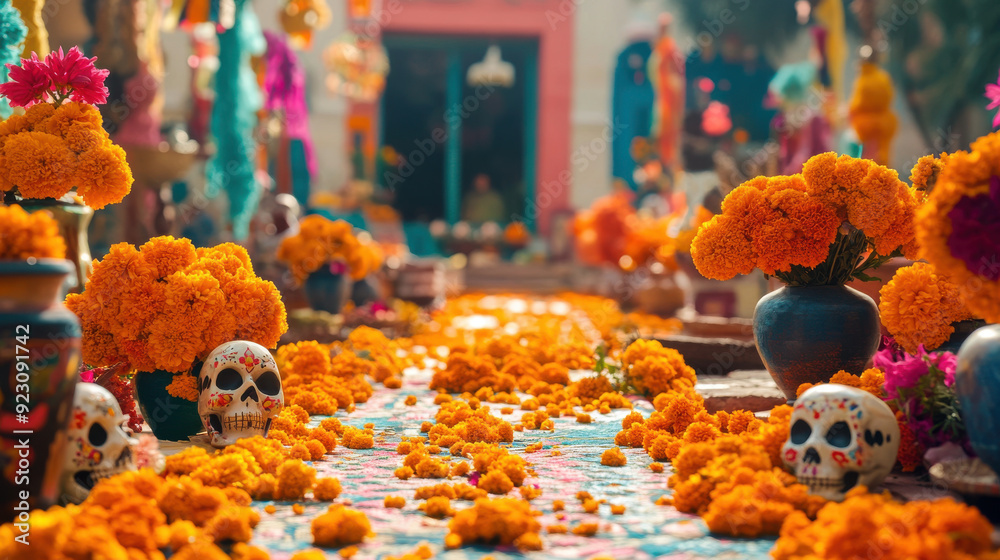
(482, 203)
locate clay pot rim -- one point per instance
(37, 267)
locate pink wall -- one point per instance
(551, 21)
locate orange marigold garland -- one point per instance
(919, 306)
(815, 228)
(166, 305)
(958, 229)
(24, 235)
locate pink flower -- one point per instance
(27, 84)
(74, 73)
(993, 94)
(901, 372)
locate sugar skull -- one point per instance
(98, 445)
(841, 437)
(240, 392)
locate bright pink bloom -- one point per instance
(27, 84)
(77, 74)
(993, 94)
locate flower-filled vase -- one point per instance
(176, 304)
(365, 291)
(327, 288)
(73, 219)
(39, 361)
(332, 263)
(169, 417)
(815, 231)
(805, 334)
(977, 383)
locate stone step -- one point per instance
(752, 390)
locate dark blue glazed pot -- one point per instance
(326, 290)
(365, 291)
(977, 382)
(169, 417)
(963, 330)
(39, 368)
(805, 334)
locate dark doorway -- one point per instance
(419, 111)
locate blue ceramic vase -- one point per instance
(39, 368)
(977, 382)
(805, 334)
(365, 291)
(169, 417)
(326, 290)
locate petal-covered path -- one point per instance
(568, 463)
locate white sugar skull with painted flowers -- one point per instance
(240, 392)
(98, 445)
(840, 437)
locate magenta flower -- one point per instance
(59, 77)
(901, 372)
(76, 75)
(27, 84)
(993, 94)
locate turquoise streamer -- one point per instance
(234, 116)
(12, 33)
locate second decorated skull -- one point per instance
(99, 447)
(240, 392)
(840, 437)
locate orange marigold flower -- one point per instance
(940, 528)
(103, 176)
(721, 250)
(327, 489)
(965, 183)
(40, 165)
(925, 173)
(340, 526)
(24, 235)
(394, 502)
(919, 306)
(184, 386)
(494, 521)
(613, 458)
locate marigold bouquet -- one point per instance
(24, 235)
(58, 143)
(167, 305)
(959, 227)
(825, 226)
(321, 241)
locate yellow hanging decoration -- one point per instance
(300, 18)
(870, 113)
(37, 39)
